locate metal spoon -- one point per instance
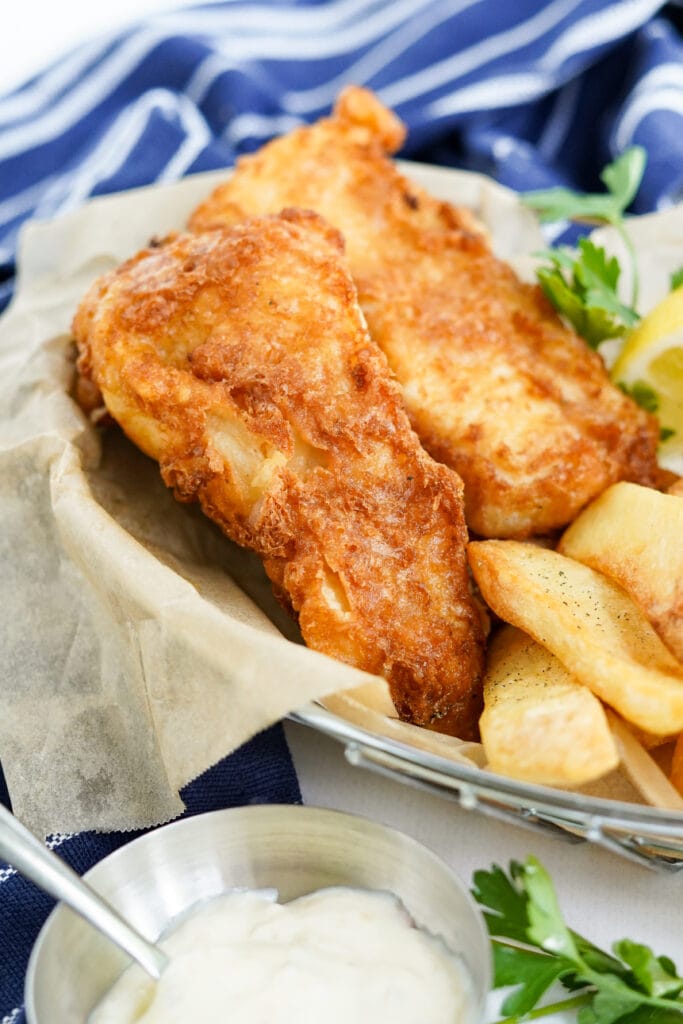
(23, 851)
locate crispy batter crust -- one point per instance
(239, 359)
(495, 385)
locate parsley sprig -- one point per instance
(583, 286)
(582, 283)
(533, 948)
(676, 279)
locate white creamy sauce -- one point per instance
(337, 955)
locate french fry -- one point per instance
(634, 535)
(643, 770)
(539, 724)
(676, 775)
(589, 623)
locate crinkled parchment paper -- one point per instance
(139, 645)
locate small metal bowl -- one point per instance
(292, 849)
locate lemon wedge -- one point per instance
(652, 357)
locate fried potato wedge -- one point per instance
(642, 769)
(676, 776)
(634, 535)
(539, 724)
(589, 623)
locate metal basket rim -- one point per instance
(640, 820)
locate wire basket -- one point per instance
(645, 835)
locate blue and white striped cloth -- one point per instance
(532, 92)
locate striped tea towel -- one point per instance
(533, 93)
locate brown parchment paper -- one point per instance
(139, 645)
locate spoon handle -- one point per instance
(22, 850)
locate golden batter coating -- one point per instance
(495, 385)
(240, 360)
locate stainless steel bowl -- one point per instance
(293, 849)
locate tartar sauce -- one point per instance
(336, 955)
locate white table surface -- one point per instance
(603, 896)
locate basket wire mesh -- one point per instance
(645, 835)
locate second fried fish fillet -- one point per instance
(239, 359)
(496, 386)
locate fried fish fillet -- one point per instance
(495, 385)
(240, 360)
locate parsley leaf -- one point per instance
(493, 889)
(642, 394)
(534, 948)
(624, 175)
(584, 287)
(622, 178)
(655, 975)
(530, 972)
(676, 279)
(546, 926)
(647, 398)
(609, 1005)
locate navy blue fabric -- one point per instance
(259, 772)
(531, 92)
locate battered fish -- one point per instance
(495, 385)
(240, 360)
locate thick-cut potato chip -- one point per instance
(642, 769)
(539, 724)
(676, 776)
(634, 535)
(589, 623)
